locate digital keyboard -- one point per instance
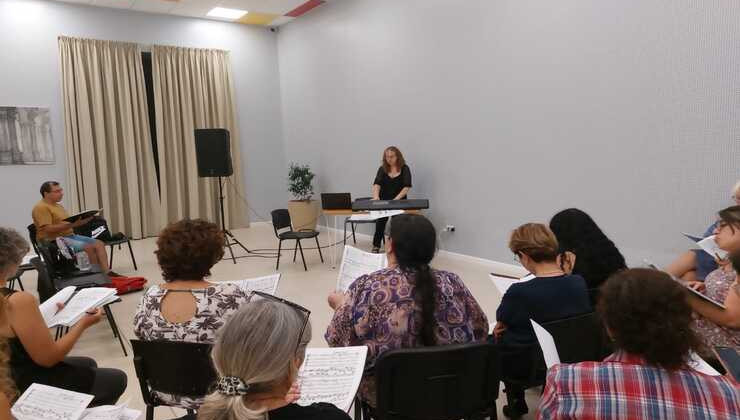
(365, 205)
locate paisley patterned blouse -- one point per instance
(379, 312)
(718, 284)
(214, 305)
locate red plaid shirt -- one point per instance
(624, 386)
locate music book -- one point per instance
(43, 402)
(265, 284)
(684, 284)
(332, 375)
(709, 245)
(503, 281)
(83, 215)
(552, 358)
(375, 215)
(356, 263)
(76, 303)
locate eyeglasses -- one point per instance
(300, 309)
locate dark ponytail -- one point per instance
(414, 245)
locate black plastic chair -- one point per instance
(107, 237)
(281, 220)
(579, 338)
(441, 383)
(32, 236)
(172, 367)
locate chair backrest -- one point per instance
(437, 383)
(580, 338)
(32, 236)
(173, 367)
(45, 284)
(280, 220)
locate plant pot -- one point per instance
(303, 214)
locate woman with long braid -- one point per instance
(408, 304)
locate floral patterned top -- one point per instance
(718, 284)
(379, 312)
(214, 305)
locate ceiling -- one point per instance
(261, 12)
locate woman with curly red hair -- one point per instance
(187, 307)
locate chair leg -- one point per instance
(11, 284)
(20, 283)
(354, 239)
(302, 257)
(280, 247)
(110, 259)
(131, 251)
(319, 248)
(114, 327)
(344, 237)
(295, 251)
(149, 412)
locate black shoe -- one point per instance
(114, 274)
(516, 409)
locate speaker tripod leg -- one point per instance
(228, 245)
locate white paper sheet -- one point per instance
(547, 343)
(49, 307)
(111, 412)
(700, 365)
(375, 215)
(265, 284)
(332, 375)
(709, 245)
(27, 258)
(503, 283)
(41, 402)
(84, 300)
(356, 263)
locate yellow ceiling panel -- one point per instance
(253, 18)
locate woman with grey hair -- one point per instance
(257, 355)
(35, 357)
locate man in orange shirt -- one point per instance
(48, 216)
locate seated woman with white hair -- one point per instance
(257, 356)
(696, 264)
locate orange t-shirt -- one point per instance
(44, 214)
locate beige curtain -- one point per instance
(110, 162)
(193, 89)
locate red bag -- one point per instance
(125, 285)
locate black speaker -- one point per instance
(213, 152)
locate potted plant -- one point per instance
(304, 212)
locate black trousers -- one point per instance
(379, 231)
(108, 385)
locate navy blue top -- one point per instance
(541, 299)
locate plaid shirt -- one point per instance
(624, 386)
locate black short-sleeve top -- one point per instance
(390, 187)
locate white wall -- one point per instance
(510, 110)
(30, 76)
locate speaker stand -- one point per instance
(228, 236)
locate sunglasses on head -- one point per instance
(300, 309)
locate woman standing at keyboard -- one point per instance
(392, 182)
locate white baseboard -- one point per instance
(497, 266)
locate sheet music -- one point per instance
(547, 344)
(82, 301)
(709, 245)
(700, 365)
(356, 263)
(332, 375)
(49, 307)
(265, 284)
(375, 215)
(692, 237)
(111, 412)
(42, 402)
(684, 284)
(503, 283)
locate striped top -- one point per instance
(624, 386)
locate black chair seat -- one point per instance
(298, 235)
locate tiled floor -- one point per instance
(306, 288)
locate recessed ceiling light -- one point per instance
(222, 12)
